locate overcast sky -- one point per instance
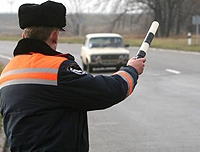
(6, 7)
(11, 6)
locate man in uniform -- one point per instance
(45, 95)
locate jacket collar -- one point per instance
(26, 45)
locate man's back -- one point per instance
(37, 104)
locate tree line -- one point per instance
(174, 16)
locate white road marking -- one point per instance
(175, 51)
(173, 71)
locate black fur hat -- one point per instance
(49, 14)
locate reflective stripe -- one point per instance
(31, 69)
(33, 76)
(29, 81)
(128, 78)
(28, 70)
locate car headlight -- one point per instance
(95, 58)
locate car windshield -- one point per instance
(105, 42)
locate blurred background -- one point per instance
(126, 17)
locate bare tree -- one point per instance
(118, 10)
(164, 11)
(173, 15)
(185, 13)
(75, 21)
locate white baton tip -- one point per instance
(154, 27)
(144, 47)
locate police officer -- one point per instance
(45, 95)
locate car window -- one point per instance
(106, 42)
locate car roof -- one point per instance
(102, 35)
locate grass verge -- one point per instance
(164, 43)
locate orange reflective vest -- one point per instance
(39, 69)
(45, 99)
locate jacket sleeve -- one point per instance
(83, 91)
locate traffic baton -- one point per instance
(147, 41)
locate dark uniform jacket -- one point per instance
(45, 97)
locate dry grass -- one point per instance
(175, 43)
(166, 43)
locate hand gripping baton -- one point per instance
(147, 41)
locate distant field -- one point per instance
(165, 43)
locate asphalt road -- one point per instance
(162, 115)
